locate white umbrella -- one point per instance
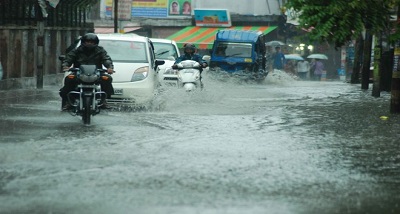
(317, 56)
(274, 43)
(293, 57)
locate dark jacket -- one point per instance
(194, 57)
(98, 56)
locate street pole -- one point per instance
(115, 16)
(395, 89)
(366, 60)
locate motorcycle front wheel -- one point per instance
(86, 110)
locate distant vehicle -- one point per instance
(135, 80)
(239, 53)
(166, 50)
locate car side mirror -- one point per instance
(159, 62)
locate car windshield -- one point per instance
(164, 50)
(125, 51)
(230, 49)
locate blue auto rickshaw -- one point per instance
(239, 53)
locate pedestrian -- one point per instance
(319, 68)
(303, 67)
(279, 59)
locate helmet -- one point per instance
(189, 47)
(90, 37)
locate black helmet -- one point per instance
(189, 47)
(90, 37)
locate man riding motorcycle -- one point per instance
(88, 53)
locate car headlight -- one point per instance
(140, 74)
(170, 71)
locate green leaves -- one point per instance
(339, 21)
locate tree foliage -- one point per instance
(339, 21)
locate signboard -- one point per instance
(180, 8)
(212, 17)
(150, 8)
(124, 9)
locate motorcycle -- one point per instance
(88, 97)
(187, 75)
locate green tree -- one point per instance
(340, 21)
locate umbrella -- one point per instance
(317, 56)
(274, 43)
(293, 56)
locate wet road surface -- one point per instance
(284, 146)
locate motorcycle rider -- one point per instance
(88, 53)
(189, 50)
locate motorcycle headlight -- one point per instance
(140, 74)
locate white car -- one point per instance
(135, 80)
(168, 51)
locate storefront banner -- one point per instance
(212, 17)
(150, 8)
(180, 8)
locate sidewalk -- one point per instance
(14, 96)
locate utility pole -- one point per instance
(115, 16)
(395, 89)
(366, 59)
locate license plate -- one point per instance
(118, 91)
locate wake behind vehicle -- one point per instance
(239, 53)
(88, 97)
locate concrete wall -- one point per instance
(20, 58)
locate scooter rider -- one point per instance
(189, 50)
(88, 53)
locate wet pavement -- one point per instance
(284, 146)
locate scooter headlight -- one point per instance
(140, 74)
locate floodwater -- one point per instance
(284, 146)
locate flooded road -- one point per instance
(284, 146)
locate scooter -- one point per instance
(88, 96)
(188, 75)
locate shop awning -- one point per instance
(203, 37)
